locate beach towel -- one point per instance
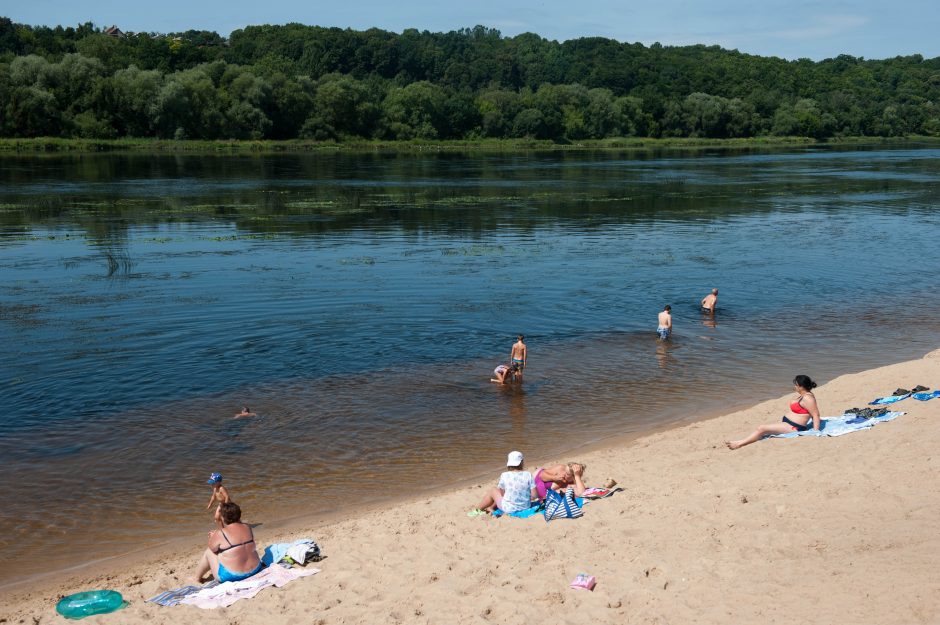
(926, 396)
(224, 595)
(520, 514)
(173, 597)
(838, 426)
(881, 401)
(600, 493)
(300, 547)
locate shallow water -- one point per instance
(358, 303)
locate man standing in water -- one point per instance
(517, 356)
(710, 301)
(665, 323)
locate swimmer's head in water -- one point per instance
(215, 478)
(245, 409)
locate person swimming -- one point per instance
(246, 412)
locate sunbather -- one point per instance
(802, 409)
(559, 477)
(231, 555)
(514, 492)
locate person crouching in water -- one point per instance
(507, 373)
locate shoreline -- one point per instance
(307, 520)
(56, 145)
(670, 476)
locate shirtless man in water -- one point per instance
(665, 323)
(709, 301)
(517, 355)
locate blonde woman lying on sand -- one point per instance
(559, 477)
(802, 409)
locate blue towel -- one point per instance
(926, 395)
(881, 401)
(846, 424)
(521, 514)
(530, 511)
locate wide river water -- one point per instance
(359, 302)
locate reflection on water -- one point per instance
(358, 304)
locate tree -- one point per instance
(415, 111)
(33, 112)
(187, 107)
(134, 94)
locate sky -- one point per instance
(819, 29)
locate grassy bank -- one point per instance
(52, 144)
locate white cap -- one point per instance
(514, 459)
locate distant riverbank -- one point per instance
(54, 144)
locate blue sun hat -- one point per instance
(215, 478)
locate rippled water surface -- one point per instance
(358, 304)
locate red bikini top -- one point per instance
(796, 408)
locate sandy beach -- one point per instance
(807, 530)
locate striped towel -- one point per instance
(175, 596)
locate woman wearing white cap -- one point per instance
(514, 492)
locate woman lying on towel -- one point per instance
(232, 554)
(559, 477)
(802, 409)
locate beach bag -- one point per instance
(558, 506)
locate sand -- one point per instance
(809, 530)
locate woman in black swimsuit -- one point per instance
(232, 554)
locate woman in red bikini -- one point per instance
(801, 410)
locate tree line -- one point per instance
(297, 81)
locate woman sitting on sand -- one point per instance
(232, 554)
(559, 477)
(801, 409)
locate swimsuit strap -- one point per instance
(231, 546)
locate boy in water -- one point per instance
(517, 355)
(219, 494)
(710, 301)
(665, 323)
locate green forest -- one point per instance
(308, 82)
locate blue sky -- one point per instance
(790, 29)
